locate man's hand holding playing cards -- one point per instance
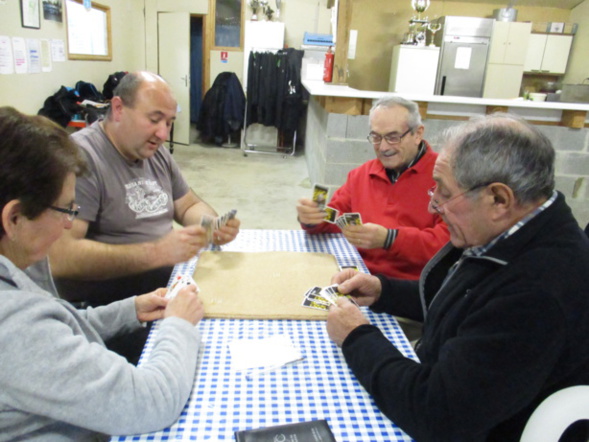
(309, 212)
(363, 287)
(345, 316)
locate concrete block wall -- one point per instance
(336, 144)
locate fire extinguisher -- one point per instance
(328, 66)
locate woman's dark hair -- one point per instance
(36, 155)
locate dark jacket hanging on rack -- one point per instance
(274, 89)
(222, 109)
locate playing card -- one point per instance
(330, 293)
(314, 304)
(320, 195)
(349, 267)
(341, 222)
(180, 281)
(314, 295)
(353, 219)
(331, 214)
(207, 222)
(333, 292)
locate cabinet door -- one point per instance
(517, 43)
(498, 42)
(503, 81)
(535, 53)
(556, 54)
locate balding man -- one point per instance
(123, 242)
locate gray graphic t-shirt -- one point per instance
(124, 201)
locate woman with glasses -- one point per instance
(58, 381)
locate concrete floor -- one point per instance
(263, 188)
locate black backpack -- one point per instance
(111, 83)
(87, 91)
(61, 106)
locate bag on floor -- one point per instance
(61, 106)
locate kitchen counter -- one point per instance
(350, 101)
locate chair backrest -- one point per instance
(556, 413)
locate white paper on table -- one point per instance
(272, 352)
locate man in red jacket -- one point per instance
(398, 235)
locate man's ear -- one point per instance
(502, 198)
(11, 214)
(116, 107)
(419, 132)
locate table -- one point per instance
(319, 387)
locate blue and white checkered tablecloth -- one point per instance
(321, 386)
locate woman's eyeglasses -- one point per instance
(71, 212)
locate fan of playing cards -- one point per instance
(321, 298)
(179, 282)
(347, 219)
(211, 224)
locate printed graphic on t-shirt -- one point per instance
(146, 198)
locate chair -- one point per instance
(556, 413)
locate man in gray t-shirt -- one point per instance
(123, 242)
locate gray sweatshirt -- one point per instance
(58, 382)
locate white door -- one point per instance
(174, 66)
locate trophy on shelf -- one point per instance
(433, 27)
(420, 6)
(417, 24)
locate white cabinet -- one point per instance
(499, 82)
(507, 54)
(413, 69)
(548, 53)
(509, 43)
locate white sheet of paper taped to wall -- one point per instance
(462, 58)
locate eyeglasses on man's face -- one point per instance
(71, 212)
(391, 138)
(439, 206)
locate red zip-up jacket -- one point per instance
(402, 206)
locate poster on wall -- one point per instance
(30, 14)
(19, 50)
(6, 63)
(52, 10)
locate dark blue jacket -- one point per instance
(506, 331)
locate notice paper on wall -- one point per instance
(19, 49)
(6, 63)
(462, 58)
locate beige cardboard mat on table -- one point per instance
(261, 285)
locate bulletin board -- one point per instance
(88, 31)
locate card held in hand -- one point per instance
(311, 431)
(320, 194)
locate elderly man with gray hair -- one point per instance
(505, 302)
(398, 235)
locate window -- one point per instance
(228, 23)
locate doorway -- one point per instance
(181, 63)
(196, 66)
